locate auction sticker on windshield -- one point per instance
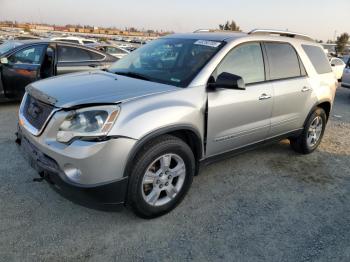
(207, 43)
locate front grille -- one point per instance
(36, 112)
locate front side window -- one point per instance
(318, 59)
(172, 61)
(7, 46)
(31, 55)
(245, 61)
(283, 61)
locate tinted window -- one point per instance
(95, 56)
(75, 54)
(318, 59)
(30, 55)
(283, 61)
(245, 61)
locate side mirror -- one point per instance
(4, 61)
(229, 81)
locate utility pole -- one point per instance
(335, 36)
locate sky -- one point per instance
(318, 18)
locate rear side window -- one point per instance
(337, 62)
(245, 61)
(75, 54)
(283, 61)
(318, 59)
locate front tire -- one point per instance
(161, 177)
(312, 134)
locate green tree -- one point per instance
(229, 26)
(342, 41)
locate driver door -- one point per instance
(21, 69)
(237, 118)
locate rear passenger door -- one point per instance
(74, 59)
(291, 87)
(237, 118)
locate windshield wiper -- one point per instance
(133, 75)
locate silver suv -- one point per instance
(137, 133)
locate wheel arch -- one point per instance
(326, 105)
(187, 133)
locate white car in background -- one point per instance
(74, 40)
(338, 66)
(110, 49)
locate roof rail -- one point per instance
(281, 33)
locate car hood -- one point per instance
(97, 87)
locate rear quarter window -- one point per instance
(96, 56)
(75, 54)
(318, 59)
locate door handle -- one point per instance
(306, 89)
(264, 97)
(93, 65)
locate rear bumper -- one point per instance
(109, 196)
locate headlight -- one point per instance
(88, 122)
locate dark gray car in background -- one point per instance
(23, 62)
(346, 75)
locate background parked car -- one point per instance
(338, 66)
(110, 49)
(346, 75)
(74, 40)
(345, 58)
(25, 37)
(23, 62)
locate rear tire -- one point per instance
(162, 175)
(312, 134)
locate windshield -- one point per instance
(7, 46)
(169, 60)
